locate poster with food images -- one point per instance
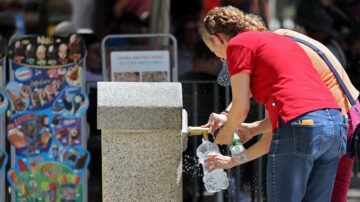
(46, 106)
(47, 51)
(143, 66)
(34, 134)
(42, 179)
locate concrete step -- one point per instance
(354, 190)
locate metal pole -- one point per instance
(220, 194)
(355, 167)
(227, 152)
(272, 11)
(195, 141)
(216, 97)
(12, 166)
(227, 96)
(155, 5)
(259, 160)
(237, 182)
(85, 134)
(164, 20)
(12, 154)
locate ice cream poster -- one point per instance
(32, 134)
(37, 179)
(35, 89)
(49, 94)
(45, 51)
(45, 120)
(46, 71)
(49, 158)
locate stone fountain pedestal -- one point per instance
(141, 142)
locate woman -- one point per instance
(305, 118)
(249, 130)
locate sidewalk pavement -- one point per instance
(354, 190)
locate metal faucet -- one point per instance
(198, 131)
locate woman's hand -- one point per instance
(214, 161)
(245, 132)
(215, 121)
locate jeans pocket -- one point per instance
(308, 139)
(343, 133)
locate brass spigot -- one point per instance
(198, 131)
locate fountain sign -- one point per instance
(146, 66)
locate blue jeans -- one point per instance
(303, 158)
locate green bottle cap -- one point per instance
(236, 140)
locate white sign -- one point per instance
(140, 65)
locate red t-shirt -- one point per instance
(281, 75)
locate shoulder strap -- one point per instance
(323, 56)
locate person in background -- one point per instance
(206, 65)
(258, 63)
(128, 23)
(247, 6)
(346, 14)
(354, 70)
(187, 34)
(93, 60)
(82, 12)
(141, 8)
(319, 25)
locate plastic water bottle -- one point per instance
(217, 180)
(237, 149)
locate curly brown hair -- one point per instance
(230, 20)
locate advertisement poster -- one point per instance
(143, 66)
(45, 123)
(41, 179)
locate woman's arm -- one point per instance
(240, 86)
(247, 131)
(257, 150)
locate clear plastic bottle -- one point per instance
(217, 180)
(237, 149)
